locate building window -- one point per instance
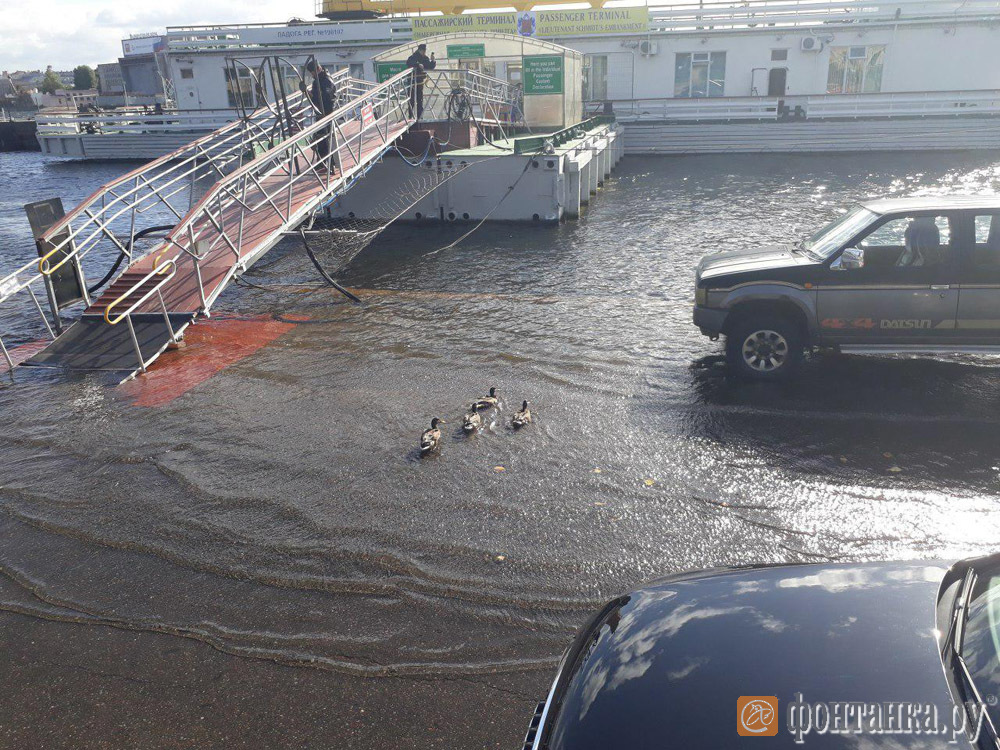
(291, 78)
(357, 71)
(595, 78)
(855, 70)
(245, 87)
(187, 73)
(698, 74)
(779, 55)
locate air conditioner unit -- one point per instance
(648, 49)
(810, 44)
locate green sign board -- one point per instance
(386, 70)
(466, 51)
(543, 74)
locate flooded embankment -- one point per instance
(259, 555)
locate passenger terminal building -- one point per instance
(761, 75)
(691, 51)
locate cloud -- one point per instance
(66, 33)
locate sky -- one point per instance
(67, 33)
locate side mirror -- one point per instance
(852, 258)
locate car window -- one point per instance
(981, 642)
(986, 253)
(831, 237)
(909, 241)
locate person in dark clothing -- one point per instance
(420, 63)
(323, 94)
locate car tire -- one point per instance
(764, 347)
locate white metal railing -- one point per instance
(133, 122)
(175, 175)
(763, 13)
(824, 106)
(112, 215)
(934, 104)
(467, 94)
(283, 173)
(15, 115)
(690, 17)
(289, 181)
(294, 178)
(677, 108)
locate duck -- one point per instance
(472, 420)
(523, 417)
(430, 440)
(487, 402)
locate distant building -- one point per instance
(27, 79)
(109, 79)
(143, 65)
(65, 99)
(7, 88)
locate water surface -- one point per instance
(279, 510)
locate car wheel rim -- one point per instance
(765, 351)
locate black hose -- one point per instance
(323, 272)
(122, 254)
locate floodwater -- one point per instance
(278, 511)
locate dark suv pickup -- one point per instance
(917, 275)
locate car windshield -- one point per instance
(981, 640)
(831, 237)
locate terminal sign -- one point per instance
(466, 51)
(541, 23)
(367, 115)
(386, 70)
(543, 74)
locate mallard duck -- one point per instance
(472, 420)
(430, 440)
(487, 402)
(523, 417)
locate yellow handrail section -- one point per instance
(43, 263)
(158, 270)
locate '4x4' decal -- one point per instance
(842, 323)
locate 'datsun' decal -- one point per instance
(868, 324)
(905, 324)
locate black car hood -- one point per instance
(760, 259)
(666, 668)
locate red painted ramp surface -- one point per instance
(210, 346)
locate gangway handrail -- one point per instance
(356, 134)
(157, 289)
(172, 156)
(230, 138)
(281, 148)
(310, 131)
(394, 83)
(289, 160)
(158, 270)
(185, 158)
(138, 190)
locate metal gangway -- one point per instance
(227, 199)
